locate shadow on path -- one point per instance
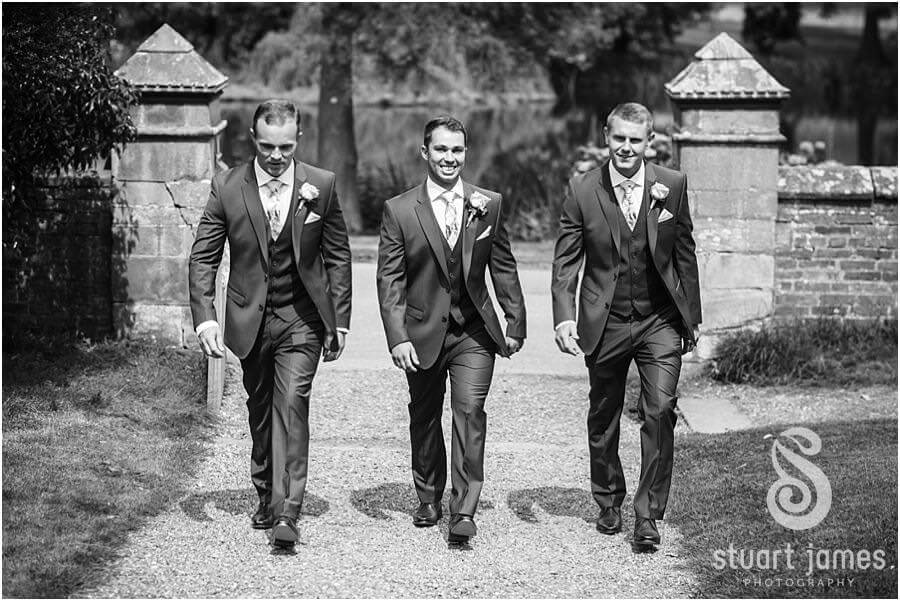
(240, 501)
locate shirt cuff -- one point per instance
(562, 323)
(206, 325)
(344, 331)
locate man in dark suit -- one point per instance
(437, 239)
(629, 221)
(288, 300)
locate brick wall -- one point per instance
(57, 260)
(836, 242)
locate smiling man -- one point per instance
(437, 240)
(288, 300)
(628, 221)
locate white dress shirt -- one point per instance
(637, 195)
(435, 192)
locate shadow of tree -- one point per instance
(375, 502)
(555, 500)
(237, 501)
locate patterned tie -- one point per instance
(274, 215)
(627, 204)
(451, 221)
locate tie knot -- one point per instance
(628, 185)
(274, 186)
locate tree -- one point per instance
(62, 105)
(876, 77)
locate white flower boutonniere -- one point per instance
(659, 192)
(309, 194)
(477, 206)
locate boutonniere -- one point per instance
(659, 192)
(477, 204)
(309, 194)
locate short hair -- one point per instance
(632, 112)
(276, 111)
(448, 122)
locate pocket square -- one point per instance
(312, 218)
(484, 234)
(664, 215)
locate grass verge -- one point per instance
(721, 504)
(96, 439)
(822, 352)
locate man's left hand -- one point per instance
(327, 353)
(514, 345)
(688, 345)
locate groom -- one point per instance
(629, 222)
(288, 300)
(437, 240)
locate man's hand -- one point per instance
(514, 345)
(688, 345)
(327, 353)
(211, 342)
(405, 357)
(567, 339)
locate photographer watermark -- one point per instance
(790, 566)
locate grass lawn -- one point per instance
(721, 483)
(96, 439)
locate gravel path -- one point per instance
(536, 537)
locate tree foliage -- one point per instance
(62, 105)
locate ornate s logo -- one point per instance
(805, 513)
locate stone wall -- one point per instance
(836, 242)
(58, 260)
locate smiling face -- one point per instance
(445, 155)
(627, 142)
(276, 144)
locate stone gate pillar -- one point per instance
(726, 116)
(163, 183)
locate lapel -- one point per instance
(468, 238)
(609, 205)
(430, 227)
(250, 192)
(652, 215)
(298, 213)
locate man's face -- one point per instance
(275, 145)
(627, 143)
(445, 155)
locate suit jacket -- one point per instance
(589, 229)
(235, 212)
(414, 282)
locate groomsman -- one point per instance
(288, 300)
(629, 222)
(437, 240)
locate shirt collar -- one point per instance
(616, 178)
(435, 190)
(263, 178)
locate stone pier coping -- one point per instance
(837, 182)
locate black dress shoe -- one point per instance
(426, 515)
(462, 526)
(610, 520)
(284, 532)
(263, 518)
(645, 532)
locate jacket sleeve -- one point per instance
(206, 254)
(337, 259)
(391, 279)
(568, 255)
(506, 279)
(685, 257)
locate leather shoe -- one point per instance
(610, 520)
(426, 515)
(462, 526)
(263, 518)
(284, 532)
(645, 532)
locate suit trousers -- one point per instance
(654, 343)
(278, 375)
(467, 356)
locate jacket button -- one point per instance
(606, 305)
(266, 277)
(443, 320)
(260, 307)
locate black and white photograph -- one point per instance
(466, 300)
